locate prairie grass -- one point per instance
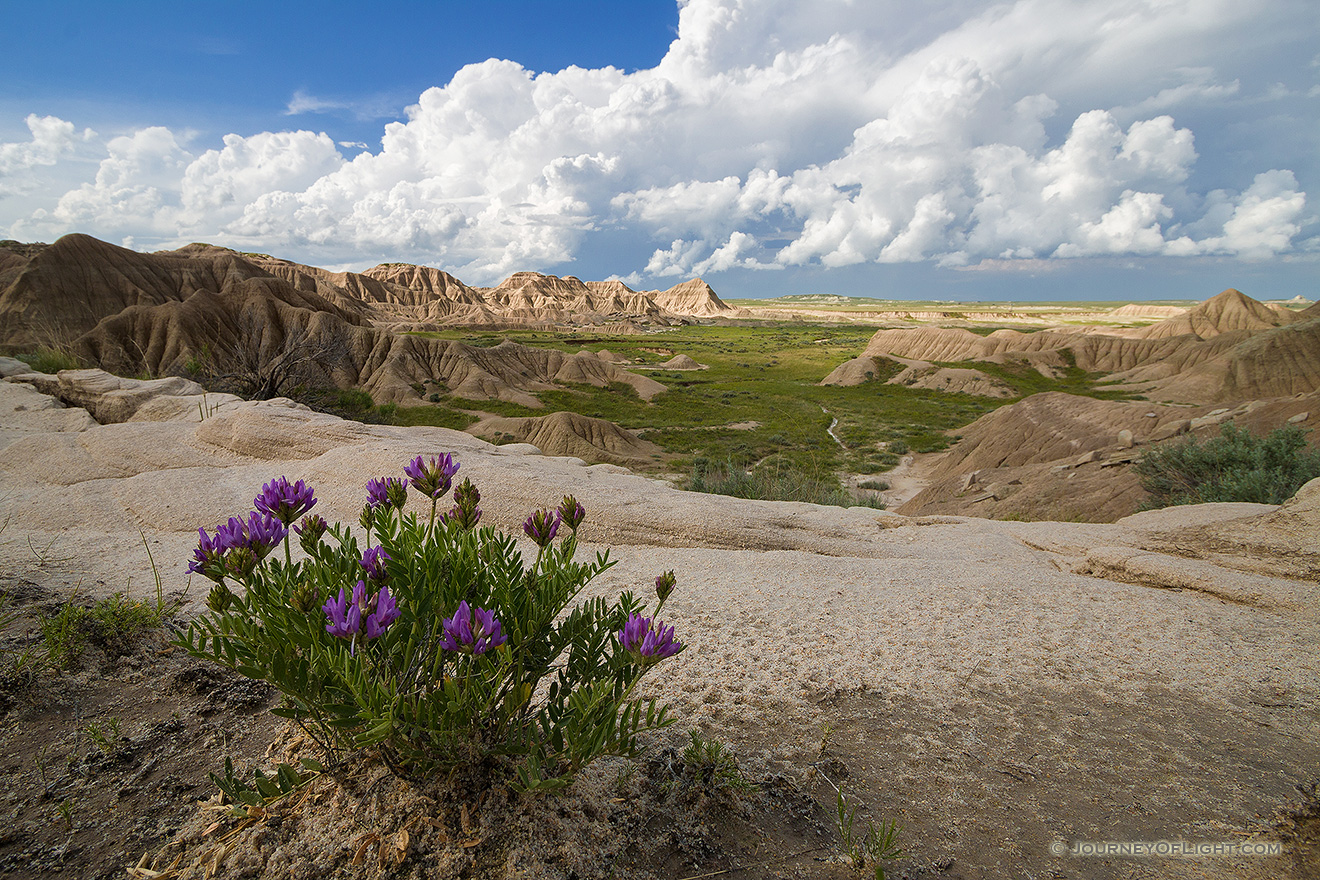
(50, 360)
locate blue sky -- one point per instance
(1031, 149)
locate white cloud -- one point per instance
(774, 133)
(52, 140)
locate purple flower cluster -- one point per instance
(472, 631)
(386, 492)
(432, 478)
(648, 644)
(284, 501)
(237, 546)
(346, 614)
(373, 563)
(542, 526)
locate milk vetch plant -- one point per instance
(428, 637)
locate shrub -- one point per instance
(435, 642)
(1234, 466)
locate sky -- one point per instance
(948, 149)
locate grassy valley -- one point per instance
(758, 403)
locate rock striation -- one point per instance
(1229, 348)
(261, 319)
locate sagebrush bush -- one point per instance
(1234, 466)
(434, 642)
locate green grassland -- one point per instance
(765, 375)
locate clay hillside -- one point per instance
(1229, 360)
(167, 313)
(1228, 348)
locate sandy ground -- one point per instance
(962, 659)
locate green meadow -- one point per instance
(757, 405)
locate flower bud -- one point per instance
(305, 597)
(310, 532)
(240, 562)
(542, 526)
(664, 585)
(571, 512)
(220, 598)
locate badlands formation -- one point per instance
(1229, 360)
(135, 313)
(998, 687)
(995, 686)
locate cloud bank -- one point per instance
(772, 135)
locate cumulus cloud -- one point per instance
(52, 140)
(772, 134)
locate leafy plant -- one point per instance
(113, 623)
(711, 765)
(253, 800)
(875, 847)
(437, 643)
(1234, 466)
(105, 738)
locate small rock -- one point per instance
(1172, 429)
(968, 481)
(1300, 417)
(1125, 439)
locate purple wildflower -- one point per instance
(386, 492)
(284, 500)
(472, 631)
(542, 526)
(237, 546)
(387, 611)
(264, 533)
(373, 562)
(432, 478)
(377, 492)
(648, 645)
(572, 512)
(346, 613)
(345, 616)
(208, 558)
(231, 535)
